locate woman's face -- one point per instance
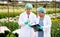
(40, 14)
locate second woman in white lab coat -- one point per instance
(25, 30)
(45, 22)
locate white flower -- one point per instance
(3, 28)
(16, 31)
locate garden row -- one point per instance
(14, 14)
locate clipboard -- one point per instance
(36, 27)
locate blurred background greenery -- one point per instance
(15, 8)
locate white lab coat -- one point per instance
(46, 27)
(26, 31)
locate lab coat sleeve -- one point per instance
(48, 24)
(34, 17)
(21, 22)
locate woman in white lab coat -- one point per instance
(45, 22)
(25, 30)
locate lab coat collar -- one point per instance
(39, 18)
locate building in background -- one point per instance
(22, 2)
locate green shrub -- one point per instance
(12, 25)
(58, 17)
(49, 11)
(11, 14)
(55, 31)
(10, 35)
